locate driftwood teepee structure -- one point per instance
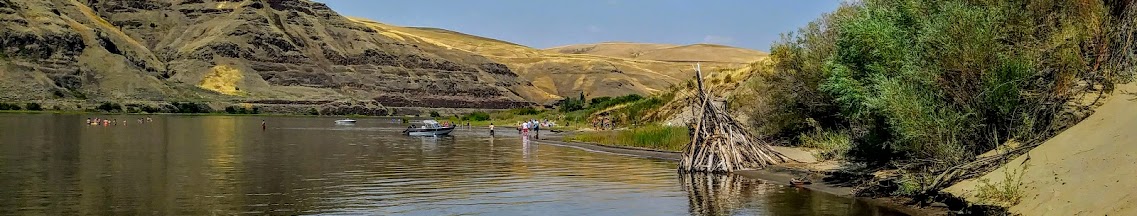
(720, 144)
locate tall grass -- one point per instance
(830, 144)
(656, 137)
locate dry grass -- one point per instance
(555, 74)
(222, 79)
(666, 52)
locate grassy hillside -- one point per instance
(560, 74)
(707, 53)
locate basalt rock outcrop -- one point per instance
(289, 51)
(370, 108)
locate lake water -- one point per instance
(225, 165)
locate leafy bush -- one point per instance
(831, 144)
(8, 106)
(526, 111)
(191, 107)
(606, 102)
(434, 114)
(110, 107)
(900, 79)
(476, 116)
(1007, 192)
(571, 104)
(151, 109)
(33, 106)
(253, 110)
(597, 100)
(637, 112)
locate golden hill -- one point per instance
(567, 74)
(708, 53)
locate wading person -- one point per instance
(491, 129)
(525, 129)
(264, 126)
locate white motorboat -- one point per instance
(429, 128)
(345, 121)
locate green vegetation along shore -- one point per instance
(918, 88)
(656, 137)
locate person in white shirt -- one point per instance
(525, 129)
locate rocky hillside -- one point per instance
(263, 51)
(274, 52)
(559, 74)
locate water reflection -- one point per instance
(715, 194)
(729, 194)
(220, 165)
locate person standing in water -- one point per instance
(525, 129)
(264, 126)
(491, 129)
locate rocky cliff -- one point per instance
(292, 52)
(231, 50)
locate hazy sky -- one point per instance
(542, 24)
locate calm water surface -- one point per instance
(224, 165)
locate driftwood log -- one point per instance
(720, 144)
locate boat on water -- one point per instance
(345, 121)
(429, 128)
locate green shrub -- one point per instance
(33, 106)
(910, 184)
(313, 111)
(901, 80)
(254, 110)
(8, 106)
(476, 116)
(831, 144)
(110, 107)
(606, 102)
(150, 109)
(191, 107)
(434, 114)
(1007, 192)
(571, 104)
(525, 111)
(598, 100)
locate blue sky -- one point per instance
(750, 24)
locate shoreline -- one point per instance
(776, 174)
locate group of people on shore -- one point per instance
(602, 123)
(115, 122)
(533, 125)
